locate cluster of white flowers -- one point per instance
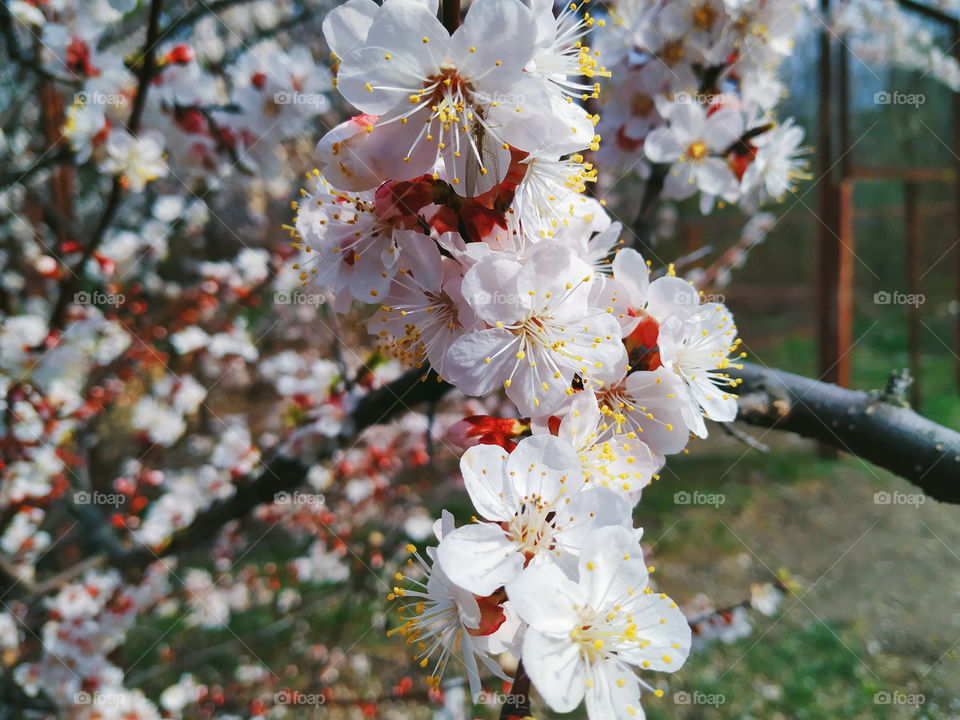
(695, 87)
(199, 125)
(455, 205)
(91, 620)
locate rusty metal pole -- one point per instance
(913, 220)
(844, 282)
(826, 241)
(834, 245)
(844, 227)
(843, 90)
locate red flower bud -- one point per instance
(486, 430)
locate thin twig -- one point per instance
(64, 156)
(147, 63)
(747, 439)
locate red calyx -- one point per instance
(741, 158)
(487, 430)
(190, 120)
(491, 614)
(78, 58)
(181, 54)
(642, 345)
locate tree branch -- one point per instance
(285, 473)
(64, 156)
(450, 15)
(518, 700)
(862, 424)
(144, 74)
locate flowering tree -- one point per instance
(177, 382)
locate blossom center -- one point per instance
(641, 105)
(599, 636)
(697, 150)
(704, 17)
(533, 526)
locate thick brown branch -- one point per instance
(862, 424)
(517, 704)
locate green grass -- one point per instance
(800, 670)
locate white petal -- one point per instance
(545, 277)
(615, 693)
(714, 176)
(579, 427)
(541, 465)
(347, 25)
(631, 270)
(671, 296)
(421, 256)
(688, 122)
(680, 182)
(490, 288)
(659, 393)
(498, 31)
(533, 118)
(545, 599)
(662, 146)
(723, 128)
(479, 558)
(611, 566)
(375, 84)
(660, 622)
(467, 366)
(490, 156)
(483, 473)
(588, 510)
(555, 667)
